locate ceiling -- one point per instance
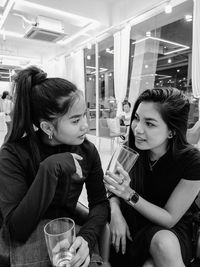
(72, 21)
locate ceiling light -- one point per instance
(169, 60)
(110, 51)
(89, 46)
(6, 11)
(19, 58)
(80, 20)
(4, 35)
(157, 76)
(188, 18)
(12, 34)
(168, 7)
(85, 29)
(90, 67)
(100, 70)
(148, 34)
(182, 47)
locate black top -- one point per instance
(160, 182)
(167, 173)
(28, 195)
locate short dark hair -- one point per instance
(126, 102)
(4, 95)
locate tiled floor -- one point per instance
(104, 151)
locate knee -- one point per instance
(165, 243)
(148, 263)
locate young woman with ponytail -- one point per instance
(44, 164)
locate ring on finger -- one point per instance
(121, 182)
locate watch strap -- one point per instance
(133, 198)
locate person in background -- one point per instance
(125, 117)
(42, 172)
(7, 106)
(152, 206)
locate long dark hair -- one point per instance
(173, 107)
(37, 98)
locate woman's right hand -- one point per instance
(119, 232)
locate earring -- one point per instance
(50, 136)
(171, 135)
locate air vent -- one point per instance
(43, 35)
(45, 29)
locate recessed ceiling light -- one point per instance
(12, 34)
(168, 7)
(148, 33)
(89, 46)
(81, 21)
(188, 18)
(88, 27)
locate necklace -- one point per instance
(151, 165)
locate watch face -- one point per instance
(135, 198)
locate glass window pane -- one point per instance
(161, 52)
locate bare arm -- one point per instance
(178, 203)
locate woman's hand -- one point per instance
(119, 232)
(118, 183)
(82, 257)
(76, 157)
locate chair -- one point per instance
(110, 128)
(104, 241)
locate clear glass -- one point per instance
(123, 156)
(59, 236)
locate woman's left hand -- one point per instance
(118, 183)
(82, 257)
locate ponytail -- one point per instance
(22, 120)
(37, 98)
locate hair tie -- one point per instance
(39, 78)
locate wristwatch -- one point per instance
(133, 198)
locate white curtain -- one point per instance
(143, 73)
(75, 69)
(196, 50)
(121, 65)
